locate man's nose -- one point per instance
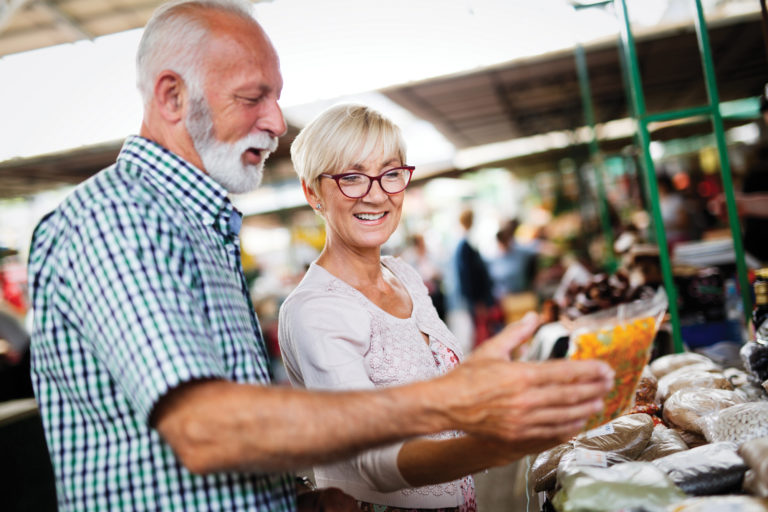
(272, 120)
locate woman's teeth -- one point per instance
(369, 216)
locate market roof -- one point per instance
(32, 24)
(541, 94)
(516, 99)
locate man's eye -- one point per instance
(250, 100)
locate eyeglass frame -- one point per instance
(371, 179)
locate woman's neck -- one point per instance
(360, 270)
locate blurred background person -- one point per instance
(512, 270)
(417, 255)
(474, 284)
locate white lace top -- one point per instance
(333, 337)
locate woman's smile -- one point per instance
(370, 217)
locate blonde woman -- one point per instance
(360, 320)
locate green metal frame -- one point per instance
(643, 119)
(596, 157)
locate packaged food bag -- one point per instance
(721, 504)
(755, 454)
(623, 337)
(738, 424)
(628, 485)
(714, 468)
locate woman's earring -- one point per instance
(319, 206)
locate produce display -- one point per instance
(602, 291)
(694, 447)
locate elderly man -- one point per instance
(148, 363)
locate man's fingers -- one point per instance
(565, 371)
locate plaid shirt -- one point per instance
(137, 287)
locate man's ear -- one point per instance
(170, 96)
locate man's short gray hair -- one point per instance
(174, 38)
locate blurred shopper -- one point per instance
(148, 363)
(475, 285)
(419, 257)
(360, 320)
(513, 269)
(673, 211)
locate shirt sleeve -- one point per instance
(132, 276)
(323, 340)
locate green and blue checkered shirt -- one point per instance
(137, 287)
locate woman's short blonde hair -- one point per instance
(342, 136)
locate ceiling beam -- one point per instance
(7, 10)
(62, 18)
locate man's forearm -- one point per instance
(224, 426)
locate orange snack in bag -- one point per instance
(627, 348)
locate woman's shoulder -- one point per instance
(403, 270)
(320, 289)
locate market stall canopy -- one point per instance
(541, 94)
(32, 24)
(506, 102)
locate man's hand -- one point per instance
(534, 404)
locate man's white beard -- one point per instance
(223, 161)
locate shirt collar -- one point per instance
(193, 189)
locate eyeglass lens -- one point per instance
(357, 185)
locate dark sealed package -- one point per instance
(755, 359)
(713, 468)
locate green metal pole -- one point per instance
(596, 157)
(722, 151)
(638, 102)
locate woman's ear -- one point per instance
(311, 196)
(170, 96)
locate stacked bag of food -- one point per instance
(694, 439)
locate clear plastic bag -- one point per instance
(737, 424)
(543, 471)
(622, 486)
(664, 441)
(626, 436)
(663, 365)
(691, 377)
(686, 408)
(623, 337)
